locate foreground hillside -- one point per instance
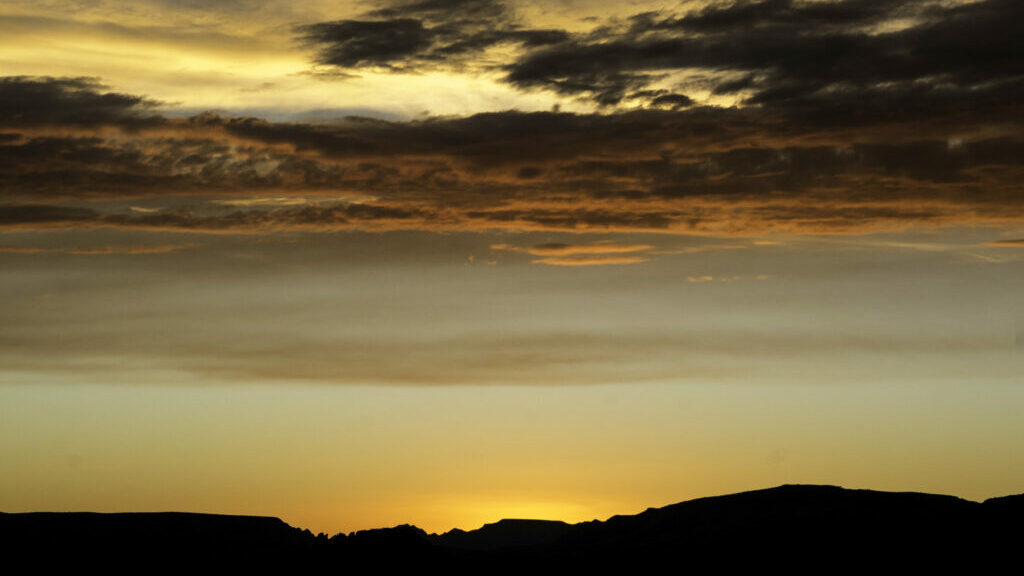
(792, 527)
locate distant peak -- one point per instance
(525, 522)
(505, 533)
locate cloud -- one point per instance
(353, 43)
(443, 9)
(703, 248)
(101, 251)
(603, 253)
(28, 101)
(590, 260)
(560, 249)
(700, 170)
(279, 201)
(708, 278)
(799, 57)
(834, 61)
(267, 351)
(1012, 243)
(424, 34)
(31, 215)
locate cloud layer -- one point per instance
(799, 57)
(855, 117)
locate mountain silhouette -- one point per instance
(793, 527)
(509, 533)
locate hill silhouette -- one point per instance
(793, 527)
(508, 533)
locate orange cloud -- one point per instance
(589, 254)
(559, 249)
(590, 261)
(708, 278)
(77, 158)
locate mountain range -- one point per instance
(793, 527)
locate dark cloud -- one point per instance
(778, 13)
(444, 10)
(802, 56)
(698, 169)
(529, 172)
(29, 214)
(428, 33)
(836, 60)
(92, 166)
(313, 217)
(354, 43)
(67, 101)
(798, 55)
(673, 101)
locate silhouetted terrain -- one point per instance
(504, 534)
(805, 528)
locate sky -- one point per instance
(442, 262)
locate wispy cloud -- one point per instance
(702, 248)
(602, 253)
(590, 260)
(560, 249)
(709, 278)
(101, 251)
(250, 202)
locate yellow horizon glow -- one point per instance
(339, 459)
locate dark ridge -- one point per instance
(507, 533)
(146, 527)
(1003, 518)
(1015, 503)
(820, 529)
(177, 539)
(789, 525)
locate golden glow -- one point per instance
(469, 511)
(590, 261)
(231, 67)
(341, 459)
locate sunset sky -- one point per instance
(441, 262)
